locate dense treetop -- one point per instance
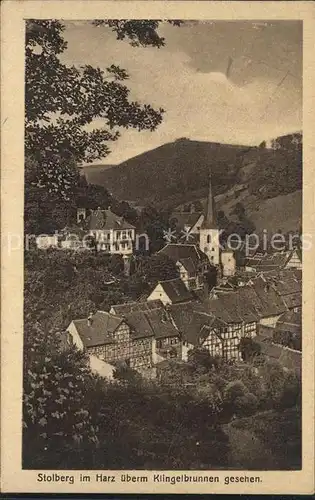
(61, 101)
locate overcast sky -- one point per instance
(260, 99)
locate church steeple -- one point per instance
(209, 221)
(209, 232)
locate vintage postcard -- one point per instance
(158, 277)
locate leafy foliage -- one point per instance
(62, 285)
(154, 223)
(60, 101)
(288, 339)
(56, 415)
(142, 32)
(270, 440)
(249, 348)
(154, 268)
(279, 170)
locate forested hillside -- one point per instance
(177, 172)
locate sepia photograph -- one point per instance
(162, 294)
(162, 250)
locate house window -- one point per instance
(208, 238)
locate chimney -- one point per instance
(90, 319)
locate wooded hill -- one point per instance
(177, 172)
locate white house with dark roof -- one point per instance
(113, 234)
(170, 292)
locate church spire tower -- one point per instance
(209, 232)
(209, 221)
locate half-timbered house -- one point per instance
(113, 338)
(192, 263)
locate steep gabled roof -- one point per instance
(151, 323)
(248, 303)
(106, 220)
(100, 329)
(189, 265)
(235, 307)
(129, 307)
(188, 219)
(293, 300)
(161, 323)
(179, 251)
(290, 321)
(190, 318)
(289, 358)
(272, 303)
(273, 261)
(139, 324)
(285, 286)
(176, 290)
